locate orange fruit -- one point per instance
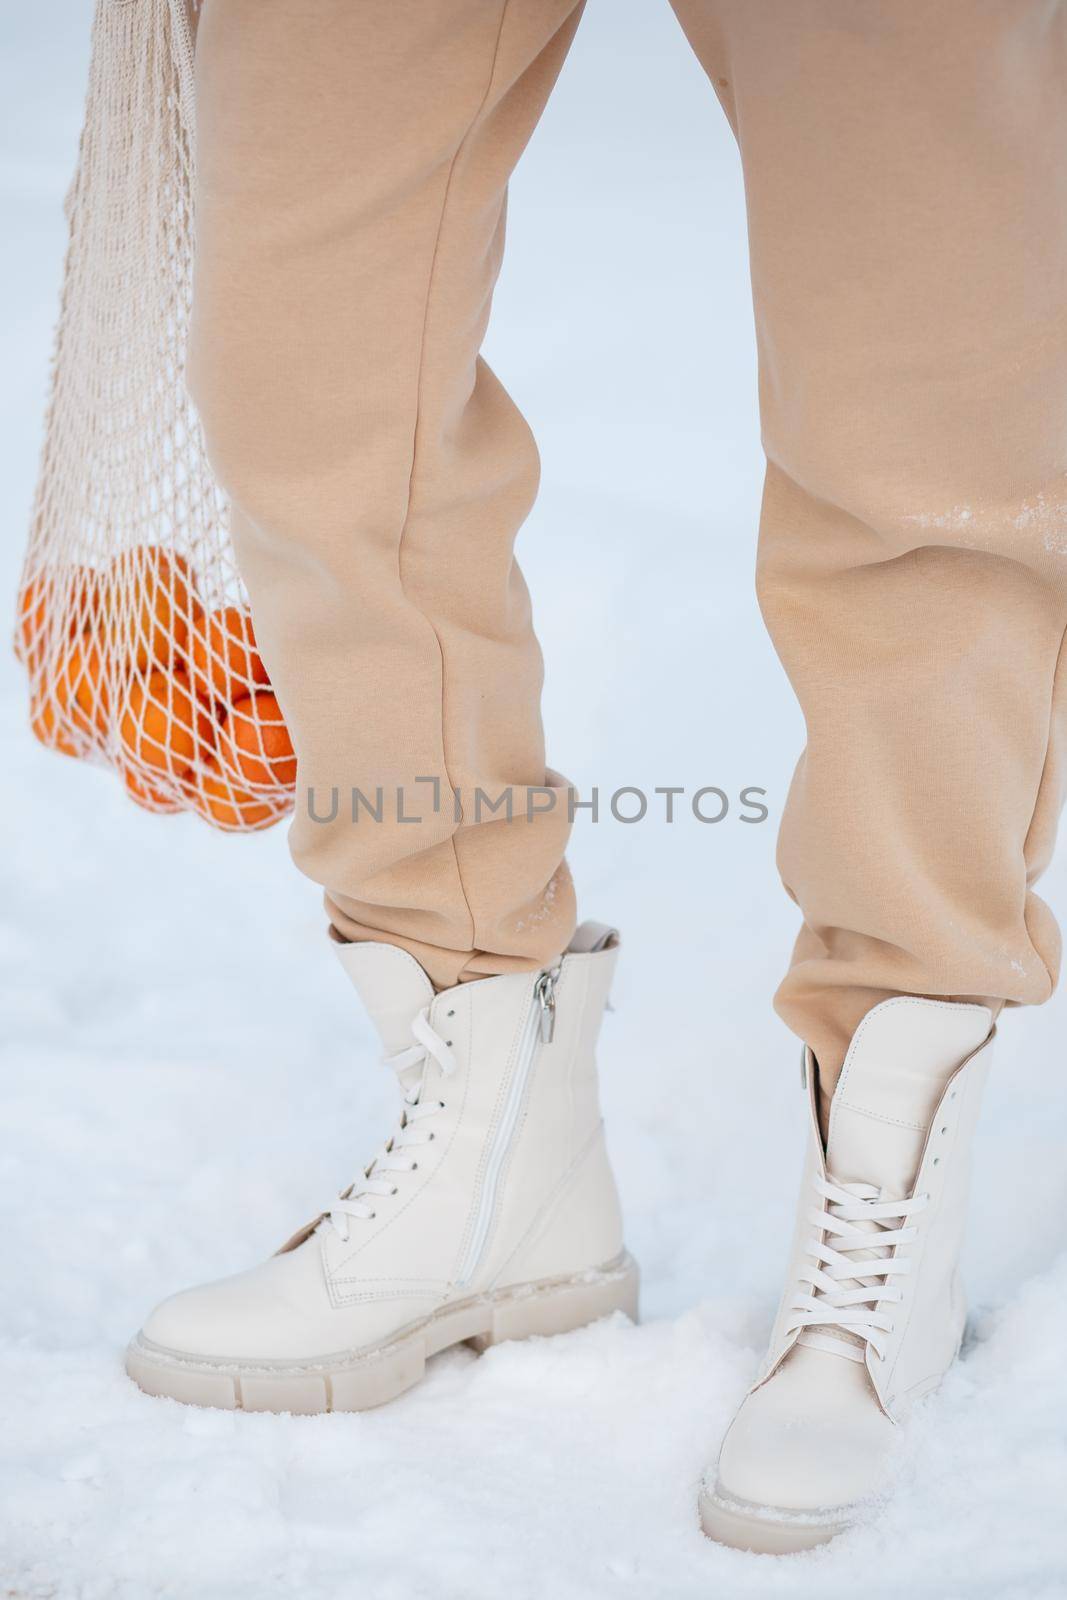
(197, 624)
(255, 746)
(84, 599)
(81, 689)
(48, 590)
(144, 794)
(35, 601)
(225, 660)
(225, 804)
(163, 725)
(184, 567)
(145, 605)
(47, 722)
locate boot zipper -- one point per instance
(545, 990)
(539, 1029)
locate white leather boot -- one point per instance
(490, 1214)
(873, 1309)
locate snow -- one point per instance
(185, 1076)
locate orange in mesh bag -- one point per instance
(133, 623)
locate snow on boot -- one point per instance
(873, 1309)
(490, 1214)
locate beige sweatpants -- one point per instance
(907, 198)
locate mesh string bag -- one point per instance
(133, 623)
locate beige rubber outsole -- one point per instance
(358, 1380)
(729, 1523)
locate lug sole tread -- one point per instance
(764, 1533)
(371, 1378)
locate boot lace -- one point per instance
(375, 1182)
(855, 1254)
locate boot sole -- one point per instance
(358, 1380)
(767, 1533)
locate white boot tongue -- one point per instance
(392, 986)
(900, 1060)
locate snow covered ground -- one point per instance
(185, 1076)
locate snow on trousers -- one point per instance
(907, 203)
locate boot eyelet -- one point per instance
(414, 1166)
(451, 1013)
(395, 1189)
(433, 1135)
(945, 1128)
(937, 1161)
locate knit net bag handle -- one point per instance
(133, 623)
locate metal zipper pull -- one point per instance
(546, 999)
